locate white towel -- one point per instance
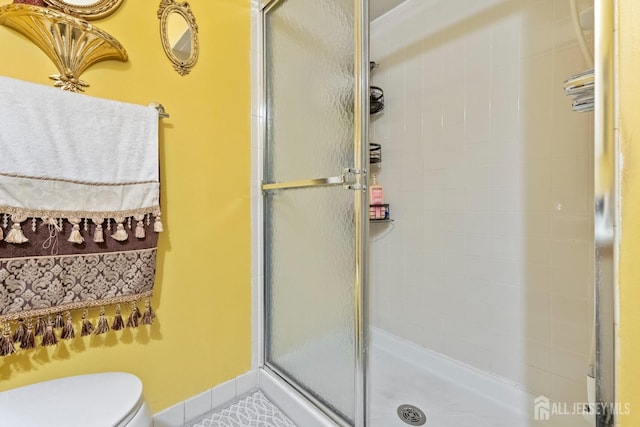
(69, 152)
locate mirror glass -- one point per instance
(179, 35)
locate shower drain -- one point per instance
(411, 415)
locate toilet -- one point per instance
(111, 399)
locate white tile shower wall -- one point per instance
(488, 174)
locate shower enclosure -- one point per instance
(316, 90)
(477, 303)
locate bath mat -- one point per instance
(253, 410)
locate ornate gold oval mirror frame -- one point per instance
(168, 7)
(96, 10)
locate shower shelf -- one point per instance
(376, 95)
(375, 153)
(376, 100)
(379, 213)
(387, 220)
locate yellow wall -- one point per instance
(629, 273)
(202, 336)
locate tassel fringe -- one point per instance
(103, 324)
(133, 320)
(121, 234)
(19, 334)
(67, 330)
(49, 337)
(26, 331)
(149, 315)
(29, 340)
(41, 325)
(140, 233)
(75, 236)
(6, 343)
(118, 323)
(16, 235)
(98, 234)
(157, 224)
(87, 327)
(59, 322)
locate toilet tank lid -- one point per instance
(104, 399)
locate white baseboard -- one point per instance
(301, 412)
(216, 397)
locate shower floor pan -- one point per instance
(449, 393)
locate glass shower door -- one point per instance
(316, 91)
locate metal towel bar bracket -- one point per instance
(161, 111)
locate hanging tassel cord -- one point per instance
(52, 240)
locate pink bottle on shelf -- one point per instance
(376, 193)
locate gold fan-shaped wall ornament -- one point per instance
(73, 44)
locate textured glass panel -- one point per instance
(310, 291)
(310, 86)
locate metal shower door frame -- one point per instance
(606, 210)
(354, 179)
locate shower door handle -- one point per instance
(351, 179)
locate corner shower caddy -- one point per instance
(376, 105)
